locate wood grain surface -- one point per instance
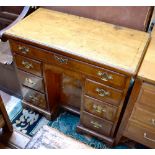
(97, 41)
(147, 71)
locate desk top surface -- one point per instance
(147, 69)
(107, 44)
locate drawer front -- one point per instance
(140, 134)
(103, 92)
(96, 124)
(28, 65)
(144, 116)
(100, 74)
(147, 96)
(100, 109)
(33, 97)
(103, 75)
(31, 81)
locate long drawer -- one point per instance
(96, 124)
(101, 74)
(33, 97)
(100, 109)
(144, 116)
(140, 133)
(28, 65)
(103, 92)
(31, 81)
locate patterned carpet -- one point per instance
(29, 122)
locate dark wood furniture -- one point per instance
(82, 65)
(138, 122)
(4, 119)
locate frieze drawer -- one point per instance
(147, 96)
(29, 65)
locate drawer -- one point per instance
(28, 65)
(96, 124)
(144, 116)
(140, 134)
(103, 92)
(93, 72)
(31, 81)
(147, 96)
(101, 74)
(99, 108)
(33, 97)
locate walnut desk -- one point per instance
(82, 65)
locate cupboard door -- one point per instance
(71, 90)
(64, 87)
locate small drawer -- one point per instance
(28, 65)
(96, 124)
(34, 97)
(144, 116)
(100, 109)
(23, 49)
(140, 133)
(31, 81)
(147, 96)
(103, 92)
(101, 74)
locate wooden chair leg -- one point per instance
(8, 125)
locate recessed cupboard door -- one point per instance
(64, 88)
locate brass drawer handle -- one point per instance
(145, 136)
(98, 108)
(104, 76)
(96, 125)
(61, 60)
(28, 80)
(102, 92)
(23, 49)
(27, 65)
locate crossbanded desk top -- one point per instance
(118, 47)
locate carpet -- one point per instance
(50, 138)
(29, 122)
